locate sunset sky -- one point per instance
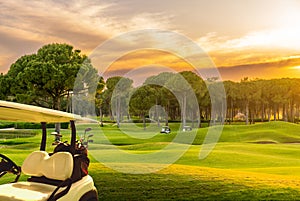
(248, 38)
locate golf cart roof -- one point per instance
(11, 111)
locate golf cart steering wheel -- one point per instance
(7, 165)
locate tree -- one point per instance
(47, 77)
(107, 94)
(200, 90)
(99, 99)
(162, 96)
(249, 92)
(4, 87)
(142, 100)
(184, 94)
(117, 90)
(218, 104)
(231, 96)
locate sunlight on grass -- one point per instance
(258, 161)
(239, 177)
(183, 182)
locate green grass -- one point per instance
(253, 162)
(12, 134)
(186, 184)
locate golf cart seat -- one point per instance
(25, 191)
(59, 166)
(33, 191)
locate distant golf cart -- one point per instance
(61, 175)
(186, 128)
(57, 138)
(165, 129)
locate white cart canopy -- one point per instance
(16, 112)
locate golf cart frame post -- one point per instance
(73, 136)
(44, 136)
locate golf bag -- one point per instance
(81, 160)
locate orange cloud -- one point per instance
(148, 57)
(285, 67)
(151, 60)
(254, 47)
(26, 26)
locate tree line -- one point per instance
(47, 79)
(264, 100)
(250, 101)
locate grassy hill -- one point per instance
(259, 162)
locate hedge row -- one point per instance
(11, 134)
(6, 125)
(25, 125)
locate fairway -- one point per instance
(252, 162)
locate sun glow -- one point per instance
(296, 67)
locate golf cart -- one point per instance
(61, 175)
(165, 129)
(186, 128)
(57, 139)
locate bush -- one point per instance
(6, 125)
(11, 134)
(64, 125)
(140, 121)
(21, 125)
(26, 125)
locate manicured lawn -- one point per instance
(192, 183)
(255, 162)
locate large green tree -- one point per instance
(48, 76)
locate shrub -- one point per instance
(6, 125)
(26, 125)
